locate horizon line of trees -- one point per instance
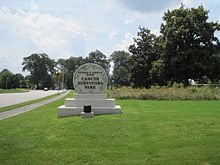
(8, 80)
(186, 49)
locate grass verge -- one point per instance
(7, 108)
(148, 132)
(17, 90)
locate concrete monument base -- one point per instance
(100, 105)
(87, 115)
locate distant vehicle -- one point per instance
(45, 89)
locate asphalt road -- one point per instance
(17, 111)
(15, 98)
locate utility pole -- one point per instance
(63, 72)
(6, 83)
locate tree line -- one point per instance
(186, 48)
(9, 80)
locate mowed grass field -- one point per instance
(148, 132)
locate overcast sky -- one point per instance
(74, 28)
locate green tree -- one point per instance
(41, 68)
(68, 67)
(6, 79)
(157, 73)
(99, 58)
(121, 68)
(215, 69)
(143, 53)
(189, 44)
(18, 80)
(28, 83)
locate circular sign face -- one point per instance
(90, 79)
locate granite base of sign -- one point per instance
(100, 105)
(87, 115)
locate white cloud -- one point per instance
(187, 2)
(112, 34)
(126, 42)
(109, 5)
(10, 58)
(34, 6)
(131, 17)
(45, 32)
(148, 6)
(75, 28)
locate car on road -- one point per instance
(45, 89)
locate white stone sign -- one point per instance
(90, 79)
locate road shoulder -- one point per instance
(14, 112)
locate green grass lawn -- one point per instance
(148, 132)
(17, 90)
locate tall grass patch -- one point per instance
(166, 93)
